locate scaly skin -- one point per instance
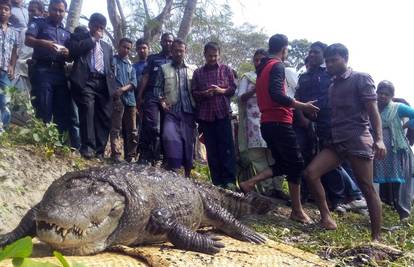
(88, 211)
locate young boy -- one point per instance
(124, 104)
(9, 40)
(354, 106)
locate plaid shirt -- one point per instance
(216, 106)
(8, 40)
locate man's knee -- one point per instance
(311, 174)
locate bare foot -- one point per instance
(376, 239)
(301, 217)
(246, 187)
(328, 224)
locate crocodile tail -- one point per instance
(238, 204)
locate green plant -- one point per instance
(21, 250)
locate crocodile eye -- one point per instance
(98, 190)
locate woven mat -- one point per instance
(236, 253)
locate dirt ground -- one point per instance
(25, 174)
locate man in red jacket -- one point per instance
(276, 124)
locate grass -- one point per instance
(353, 233)
(347, 245)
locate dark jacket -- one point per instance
(80, 46)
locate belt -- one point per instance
(50, 64)
(95, 75)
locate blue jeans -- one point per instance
(4, 111)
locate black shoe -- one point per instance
(100, 156)
(87, 155)
(116, 159)
(142, 161)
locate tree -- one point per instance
(187, 19)
(74, 14)
(118, 20)
(297, 53)
(238, 43)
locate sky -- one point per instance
(376, 32)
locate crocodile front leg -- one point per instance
(162, 221)
(26, 227)
(223, 220)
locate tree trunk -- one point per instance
(152, 27)
(187, 19)
(74, 14)
(118, 20)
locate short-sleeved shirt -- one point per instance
(43, 28)
(154, 63)
(125, 74)
(8, 40)
(217, 106)
(348, 95)
(314, 85)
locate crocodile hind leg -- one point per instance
(223, 220)
(26, 227)
(162, 221)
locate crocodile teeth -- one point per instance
(64, 232)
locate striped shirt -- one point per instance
(8, 40)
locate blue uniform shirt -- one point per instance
(43, 28)
(125, 74)
(154, 63)
(314, 86)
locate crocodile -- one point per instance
(85, 212)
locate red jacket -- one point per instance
(271, 110)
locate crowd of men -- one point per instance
(158, 107)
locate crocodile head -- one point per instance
(78, 215)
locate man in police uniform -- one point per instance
(149, 143)
(52, 99)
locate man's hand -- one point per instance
(64, 52)
(217, 90)
(165, 106)
(50, 45)
(380, 150)
(207, 93)
(308, 107)
(118, 93)
(98, 34)
(10, 72)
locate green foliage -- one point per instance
(34, 131)
(298, 51)
(22, 248)
(201, 172)
(20, 251)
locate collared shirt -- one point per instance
(348, 95)
(154, 63)
(8, 40)
(139, 69)
(43, 28)
(184, 100)
(216, 106)
(20, 17)
(314, 86)
(125, 74)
